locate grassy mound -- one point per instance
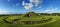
(29, 20)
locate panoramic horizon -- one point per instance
(24, 6)
(29, 13)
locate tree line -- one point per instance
(54, 14)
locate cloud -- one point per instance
(50, 10)
(32, 3)
(36, 2)
(2, 11)
(27, 5)
(23, 3)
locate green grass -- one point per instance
(55, 22)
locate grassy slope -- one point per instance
(54, 24)
(2, 24)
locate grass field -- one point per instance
(39, 21)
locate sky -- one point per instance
(24, 6)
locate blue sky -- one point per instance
(23, 6)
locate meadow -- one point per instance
(29, 20)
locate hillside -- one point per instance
(29, 20)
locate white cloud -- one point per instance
(50, 10)
(23, 3)
(32, 3)
(36, 2)
(27, 5)
(2, 11)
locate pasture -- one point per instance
(32, 20)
